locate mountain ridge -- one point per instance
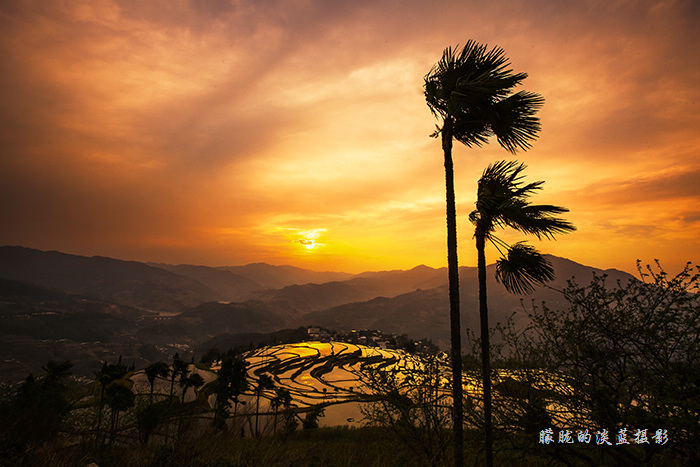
(146, 312)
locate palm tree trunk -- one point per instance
(485, 348)
(453, 275)
(257, 413)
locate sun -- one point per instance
(309, 239)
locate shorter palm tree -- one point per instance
(153, 371)
(179, 369)
(187, 380)
(502, 201)
(264, 382)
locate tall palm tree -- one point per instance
(471, 92)
(502, 201)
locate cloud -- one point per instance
(188, 129)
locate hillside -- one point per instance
(88, 309)
(126, 282)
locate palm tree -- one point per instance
(232, 381)
(154, 370)
(119, 398)
(105, 377)
(502, 201)
(187, 380)
(470, 91)
(179, 369)
(264, 382)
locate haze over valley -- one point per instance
(91, 309)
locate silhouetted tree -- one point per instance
(153, 371)
(470, 91)
(619, 355)
(282, 398)
(502, 201)
(232, 381)
(119, 398)
(264, 382)
(179, 366)
(193, 380)
(310, 421)
(413, 401)
(34, 412)
(105, 377)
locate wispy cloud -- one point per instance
(184, 131)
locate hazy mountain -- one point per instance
(59, 306)
(230, 286)
(38, 324)
(396, 282)
(127, 282)
(46, 314)
(276, 277)
(365, 286)
(425, 313)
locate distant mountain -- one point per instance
(362, 287)
(38, 324)
(396, 282)
(276, 277)
(210, 319)
(425, 313)
(46, 314)
(230, 286)
(90, 309)
(126, 282)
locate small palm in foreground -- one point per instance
(502, 201)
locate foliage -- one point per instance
(154, 370)
(119, 398)
(35, 412)
(504, 201)
(109, 375)
(414, 402)
(310, 421)
(475, 87)
(622, 356)
(265, 382)
(232, 381)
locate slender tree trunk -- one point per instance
(485, 348)
(453, 275)
(257, 413)
(182, 409)
(99, 413)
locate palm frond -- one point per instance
(515, 124)
(538, 220)
(522, 268)
(503, 201)
(472, 86)
(471, 132)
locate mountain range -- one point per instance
(55, 305)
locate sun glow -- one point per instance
(308, 239)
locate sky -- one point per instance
(228, 132)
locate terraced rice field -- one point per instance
(330, 374)
(324, 373)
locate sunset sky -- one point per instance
(296, 132)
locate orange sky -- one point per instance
(296, 132)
